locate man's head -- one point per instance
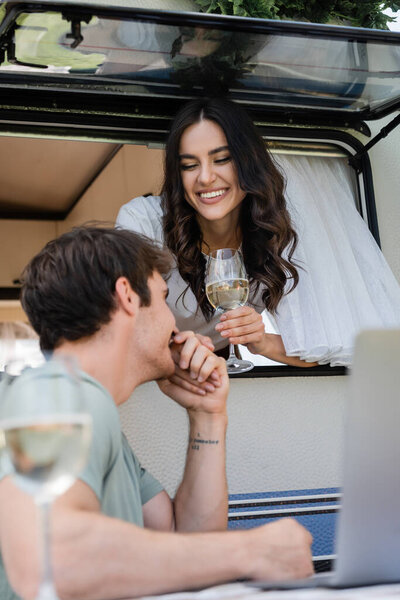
(68, 288)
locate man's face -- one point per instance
(154, 332)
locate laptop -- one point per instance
(368, 531)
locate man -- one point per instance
(98, 294)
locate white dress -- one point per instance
(345, 284)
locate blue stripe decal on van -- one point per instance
(316, 509)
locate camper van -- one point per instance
(87, 93)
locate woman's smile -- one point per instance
(213, 196)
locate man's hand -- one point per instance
(280, 550)
(200, 381)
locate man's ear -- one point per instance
(127, 299)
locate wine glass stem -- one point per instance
(46, 588)
(232, 355)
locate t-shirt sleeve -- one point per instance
(5, 464)
(142, 215)
(106, 436)
(149, 486)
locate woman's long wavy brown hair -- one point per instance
(269, 239)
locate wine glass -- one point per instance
(45, 434)
(227, 287)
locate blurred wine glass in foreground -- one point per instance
(45, 434)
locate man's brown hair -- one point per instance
(68, 288)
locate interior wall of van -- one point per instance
(133, 171)
(20, 240)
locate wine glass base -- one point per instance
(237, 365)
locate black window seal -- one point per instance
(289, 371)
(79, 106)
(10, 293)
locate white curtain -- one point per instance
(345, 284)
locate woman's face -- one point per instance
(208, 172)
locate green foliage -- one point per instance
(359, 13)
(262, 9)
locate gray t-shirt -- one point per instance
(113, 472)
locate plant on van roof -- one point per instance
(359, 13)
(216, 71)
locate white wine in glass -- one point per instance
(46, 435)
(46, 453)
(228, 294)
(227, 287)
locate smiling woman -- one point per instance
(222, 189)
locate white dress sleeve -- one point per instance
(143, 215)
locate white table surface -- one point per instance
(240, 591)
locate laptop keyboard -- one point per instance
(323, 566)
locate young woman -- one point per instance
(221, 190)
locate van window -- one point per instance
(343, 74)
(86, 181)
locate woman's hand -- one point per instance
(243, 326)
